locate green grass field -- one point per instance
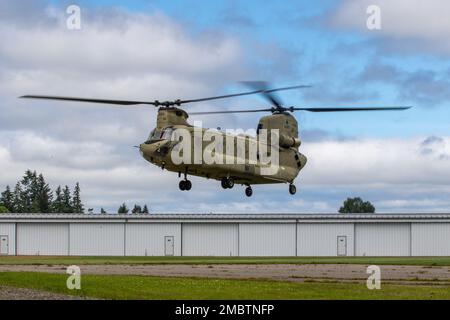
(66, 260)
(141, 287)
(145, 287)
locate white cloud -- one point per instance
(392, 161)
(422, 24)
(115, 55)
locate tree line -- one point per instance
(32, 194)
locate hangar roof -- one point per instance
(279, 218)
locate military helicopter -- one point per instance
(157, 149)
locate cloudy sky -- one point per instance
(146, 49)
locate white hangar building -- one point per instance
(225, 235)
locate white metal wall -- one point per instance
(430, 239)
(225, 239)
(9, 230)
(42, 238)
(320, 239)
(267, 239)
(210, 239)
(97, 239)
(382, 239)
(147, 239)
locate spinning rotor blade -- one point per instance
(347, 109)
(265, 92)
(258, 89)
(292, 109)
(119, 102)
(231, 111)
(157, 103)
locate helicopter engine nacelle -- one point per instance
(287, 141)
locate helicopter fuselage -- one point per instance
(239, 166)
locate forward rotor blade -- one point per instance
(106, 101)
(256, 91)
(231, 111)
(349, 109)
(157, 103)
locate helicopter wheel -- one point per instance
(292, 189)
(185, 185)
(248, 191)
(227, 183)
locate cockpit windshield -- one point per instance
(158, 134)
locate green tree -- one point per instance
(123, 209)
(57, 205)
(137, 209)
(7, 199)
(102, 211)
(18, 200)
(145, 209)
(67, 200)
(33, 194)
(356, 205)
(76, 200)
(30, 191)
(3, 209)
(44, 196)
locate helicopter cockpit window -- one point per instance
(166, 134)
(154, 136)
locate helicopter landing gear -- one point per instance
(292, 189)
(227, 182)
(185, 185)
(248, 191)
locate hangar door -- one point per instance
(382, 239)
(3, 245)
(209, 239)
(42, 239)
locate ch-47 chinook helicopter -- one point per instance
(157, 148)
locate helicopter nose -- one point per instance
(152, 149)
(303, 160)
(148, 148)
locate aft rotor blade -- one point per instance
(106, 101)
(231, 111)
(260, 90)
(266, 93)
(347, 109)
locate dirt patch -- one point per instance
(282, 272)
(10, 293)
